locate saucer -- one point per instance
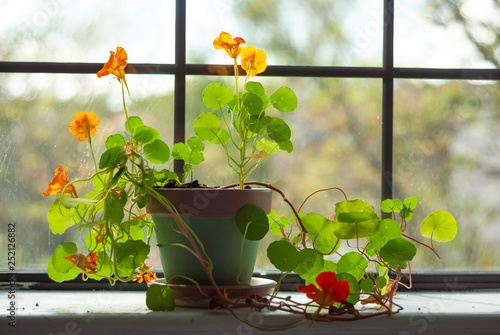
(190, 296)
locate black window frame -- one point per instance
(181, 69)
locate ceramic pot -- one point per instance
(210, 214)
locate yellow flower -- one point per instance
(232, 46)
(253, 60)
(115, 65)
(84, 125)
(59, 182)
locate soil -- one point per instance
(172, 183)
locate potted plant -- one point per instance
(247, 136)
(116, 229)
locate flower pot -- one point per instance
(210, 214)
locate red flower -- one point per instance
(330, 289)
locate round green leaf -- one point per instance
(132, 254)
(157, 152)
(367, 285)
(160, 298)
(284, 99)
(207, 125)
(253, 220)
(217, 95)
(253, 103)
(181, 151)
(61, 218)
(222, 137)
(353, 263)
(441, 226)
(388, 230)
(145, 134)
(410, 202)
(195, 144)
(311, 262)
(355, 219)
(320, 232)
(283, 255)
(111, 157)
(133, 123)
(391, 205)
(116, 140)
(278, 130)
(286, 146)
(255, 87)
(398, 251)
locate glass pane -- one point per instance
(35, 112)
(72, 31)
(336, 133)
(446, 154)
(448, 34)
(291, 32)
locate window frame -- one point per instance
(180, 70)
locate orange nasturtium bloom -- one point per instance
(253, 60)
(330, 289)
(232, 46)
(115, 65)
(149, 276)
(84, 125)
(58, 183)
(83, 262)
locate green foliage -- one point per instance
(355, 219)
(283, 255)
(252, 222)
(246, 133)
(439, 226)
(160, 298)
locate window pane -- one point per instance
(446, 154)
(291, 32)
(83, 31)
(447, 34)
(36, 110)
(336, 133)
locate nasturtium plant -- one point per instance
(247, 134)
(334, 254)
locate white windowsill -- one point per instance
(108, 312)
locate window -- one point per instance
(385, 110)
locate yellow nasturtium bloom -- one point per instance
(232, 46)
(84, 125)
(115, 65)
(253, 60)
(59, 182)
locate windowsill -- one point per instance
(96, 312)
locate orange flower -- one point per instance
(232, 46)
(253, 60)
(59, 183)
(149, 276)
(84, 125)
(92, 258)
(330, 289)
(115, 65)
(82, 262)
